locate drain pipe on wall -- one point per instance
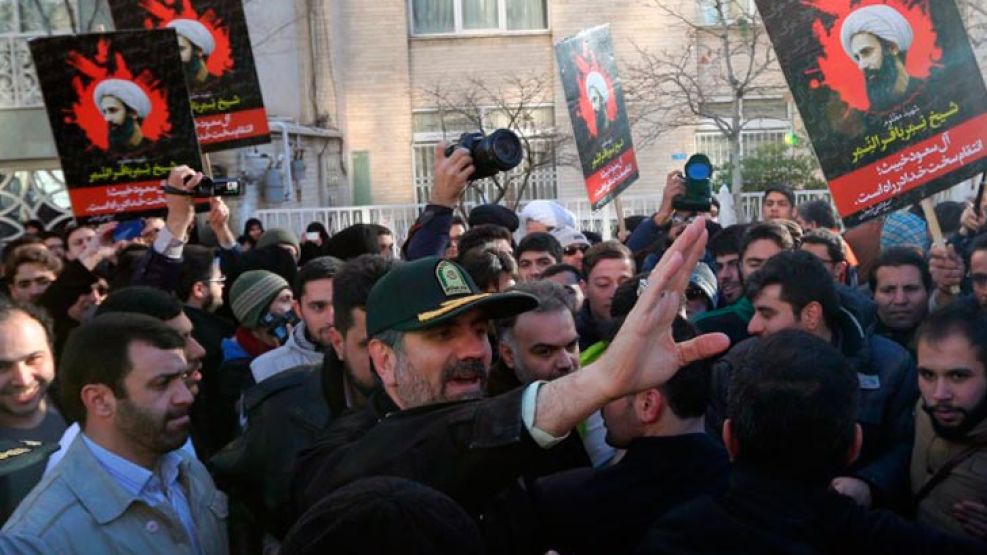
(286, 158)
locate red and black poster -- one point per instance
(890, 93)
(120, 115)
(217, 61)
(596, 107)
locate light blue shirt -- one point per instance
(147, 486)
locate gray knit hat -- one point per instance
(252, 293)
(278, 236)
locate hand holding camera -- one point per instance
(452, 171)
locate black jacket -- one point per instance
(590, 330)
(767, 515)
(209, 330)
(888, 391)
(608, 510)
(473, 451)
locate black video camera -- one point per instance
(209, 187)
(278, 325)
(499, 151)
(698, 196)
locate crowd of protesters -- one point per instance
(500, 382)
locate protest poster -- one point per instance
(218, 63)
(120, 115)
(595, 97)
(890, 94)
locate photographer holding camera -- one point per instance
(474, 157)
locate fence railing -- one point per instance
(400, 217)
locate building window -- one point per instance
(432, 126)
(765, 120)
(441, 17)
(732, 10)
(19, 21)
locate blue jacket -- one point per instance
(79, 508)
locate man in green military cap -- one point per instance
(427, 324)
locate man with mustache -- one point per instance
(124, 106)
(431, 353)
(195, 45)
(27, 368)
(877, 38)
(950, 452)
(124, 485)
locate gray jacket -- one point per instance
(79, 508)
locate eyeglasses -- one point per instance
(571, 250)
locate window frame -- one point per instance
(459, 32)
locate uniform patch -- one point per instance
(451, 279)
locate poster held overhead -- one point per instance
(890, 93)
(218, 63)
(595, 97)
(119, 111)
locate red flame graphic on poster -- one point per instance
(595, 85)
(840, 72)
(220, 60)
(109, 65)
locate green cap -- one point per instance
(421, 294)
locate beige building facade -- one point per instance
(349, 86)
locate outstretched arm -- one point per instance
(643, 354)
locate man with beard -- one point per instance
(287, 412)
(124, 106)
(950, 452)
(27, 368)
(195, 45)
(877, 38)
(311, 337)
(431, 353)
(124, 486)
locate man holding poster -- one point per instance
(596, 108)
(890, 93)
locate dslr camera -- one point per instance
(210, 187)
(497, 152)
(698, 196)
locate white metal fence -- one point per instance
(400, 217)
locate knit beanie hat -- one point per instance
(278, 236)
(252, 293)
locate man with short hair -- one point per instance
(949, 270)
(900, 283)
(124, 486)
(431, 350)
(669, 459)
(574, 246)
(485, 236)
(759, 243)
(948, 480)
(77, 239)
(535, 252)
(792, 426)
(778, 203)
(200, 287)
(541, 344)
(55, 243)
(27, 369)
(828, 248)
(606, 266)
(492, 270)
(288, 412)
(569, 277)
(457, 228)
(725, 248)
(794, 291)
(30, 271)
(310, 337)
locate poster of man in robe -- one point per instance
(217, 61)
(120, 115)
(890, 93)
(595, 98)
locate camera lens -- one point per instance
(506, 149)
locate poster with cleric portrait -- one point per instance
(119, 111)
(217, 61)
(595, 97)
(890, 93)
